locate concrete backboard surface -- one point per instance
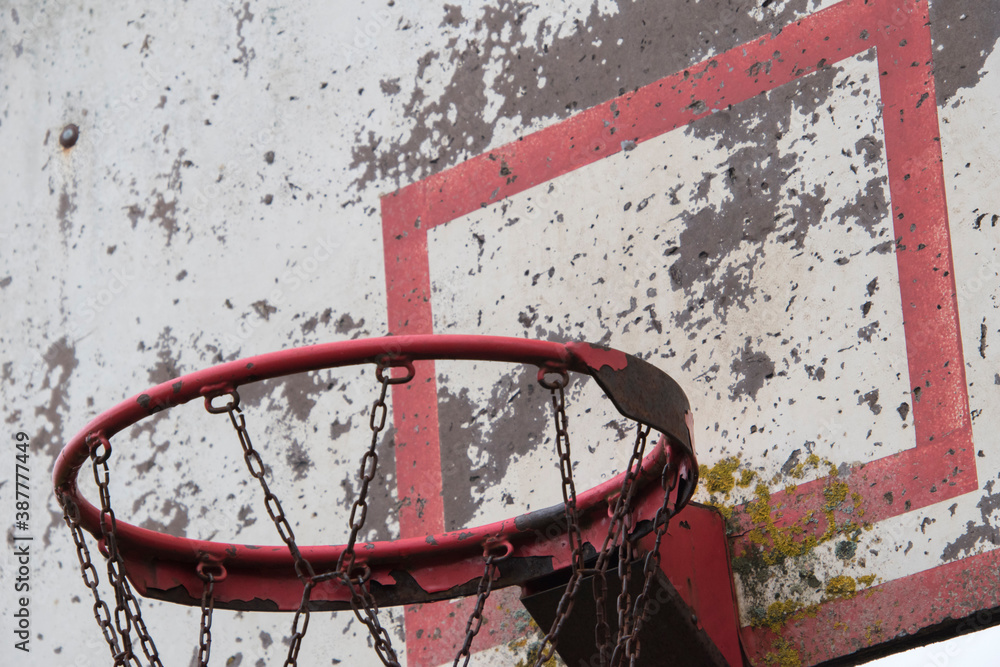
(789, 206)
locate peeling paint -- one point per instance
(977, 535)
(688, 279)
(634, 45)
(964, 32)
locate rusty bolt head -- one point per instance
(69, 135)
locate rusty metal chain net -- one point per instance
(71, 513)
(616, 529)
(207, 607)
(490, 575)
(561, 421)
(127, 615)
(362, 603)
(255, 465)
(356, 577)
(117, 628)
(630, 613)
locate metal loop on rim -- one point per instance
(561, 382)
(395, 363)
(212, 570)
(96, 441)
(234, 402)
(491, 546)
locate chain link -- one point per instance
(71, 513)
(365, 609)
(127, 613)
(207, 607)
(651, 565)
(145, 640)
(301, 618)
(362, 602)
(630, 613)
(490, 575)
(626, 555)
(109, 534)
(617, 530)
(561, 421)
(255, 465)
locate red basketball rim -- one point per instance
(414, 569)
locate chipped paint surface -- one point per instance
(790, 208)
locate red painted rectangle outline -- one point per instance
(942, 465)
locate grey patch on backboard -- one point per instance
(479, 441)
(964, 34)
(759, 208)
(977, 534)
(753, 368)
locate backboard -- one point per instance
(788, 208)
(772, 221)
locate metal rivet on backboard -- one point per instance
(69, 135)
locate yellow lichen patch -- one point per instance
(841, 587)
(533, 656)
(788, 541)
(725, 510)
(759, 508)
(856, 497)
(866, 580)
(746, 478)
(873, 633)
(835, 493)
(779, 613)
(720, 478)
(812, 462)
(785, 542)
(831, 527)
(783, 655)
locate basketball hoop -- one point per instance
(583, 535)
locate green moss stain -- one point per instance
(845, 550)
